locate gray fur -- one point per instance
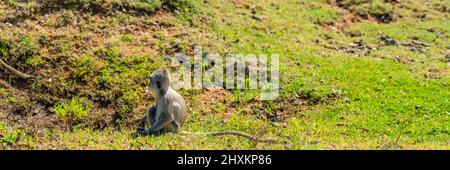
(169, 113)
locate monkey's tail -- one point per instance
(218, 133)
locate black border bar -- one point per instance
(278, 159)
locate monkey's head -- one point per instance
(160, 81)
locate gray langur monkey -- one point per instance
(169, 113)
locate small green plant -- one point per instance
(2, 128)
(182, 5)
(322, 16)
(10, 138)
(7, 136)
(2, 91)
(72, 111)
(85, 67)
(26, 46)
(35, 61)
(126, 38)
(149, 6)
(4, 47)
(11, 100)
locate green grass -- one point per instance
(386, 97)
(72, 111)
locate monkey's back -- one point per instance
(173, 96)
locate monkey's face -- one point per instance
(159, 83)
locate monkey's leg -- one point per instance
(176, 110)
(149, 117)
(163, 121)
(167, 118)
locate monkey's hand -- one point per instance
(143, 131)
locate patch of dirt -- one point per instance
(211, 97)
(360, 47)
(436, 73)
(287, 107)
(355, 11)
(368, 11)
(404, 60)
(416, 45)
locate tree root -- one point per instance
(254, 138)
(14, 71)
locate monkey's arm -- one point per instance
(161, 123)
(173, 110)
(158, 125)
(164, 120)
(148, 118)
(143, 121)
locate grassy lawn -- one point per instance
(354, 74)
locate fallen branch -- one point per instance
(14, 71)
(254, 138)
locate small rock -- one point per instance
(387, 40)
(223, 121)
(336, 92)
(256, 111)
(391, 42)
(431, 30)
(362, 14)
(51, 110)
(287, 145)
(334, 29)
(346, 99)
(257, 18)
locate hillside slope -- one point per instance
(355, 74)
